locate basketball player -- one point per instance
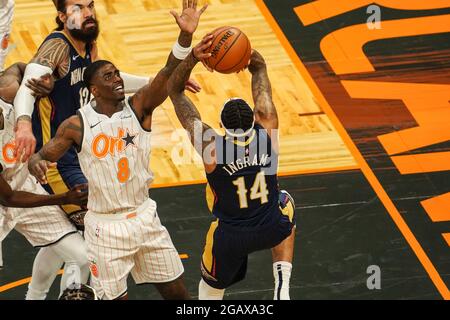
(241, 168)
(65, 54)
(42, 223)
(113, 139)
(6, 15)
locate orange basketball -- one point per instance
(230, 50)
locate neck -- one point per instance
(79, 45)
(108, 107)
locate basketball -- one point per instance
(230, 50)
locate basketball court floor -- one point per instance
(365, 138)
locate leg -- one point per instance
(109, 265)
(206, 292)
(72, 249)
(45, 268)
(173, 290)
(283, 253)
(282, 256)
(224, 262)
(157, 260)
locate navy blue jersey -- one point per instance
(68, 95)
(245, 183)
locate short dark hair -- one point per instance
(60, 7)
(237, 114)
(91, 71)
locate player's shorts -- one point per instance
(41, 226)
(63, 178)
(136, 243)
(224, 260)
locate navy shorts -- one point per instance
(224, 260)
(63, 178)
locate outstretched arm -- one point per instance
(265, 111)
(186, 111)
(69, 133)
(22, 199)
(155, 93)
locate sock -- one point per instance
(206, 292)
(282, 274)
(73, 251)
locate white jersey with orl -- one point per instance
(41, 226)
(114, 157)
(6, 15)
(13, 171)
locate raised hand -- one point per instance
(199, 51)
(190, 16)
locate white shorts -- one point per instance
(41, 226)
(136, 243)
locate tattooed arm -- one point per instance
(69, 134)
(52, 58)
(155, 93)
(265, 111)
(185, 109)
(54, 53)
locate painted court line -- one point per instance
(367, 171)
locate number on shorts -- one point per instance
(123, 170)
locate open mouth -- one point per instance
(119, 89)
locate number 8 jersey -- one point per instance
(114, 157)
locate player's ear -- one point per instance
(94, 91)
(62, 16)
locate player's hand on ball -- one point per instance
(78, 195)
(200, 50)
(188, 21)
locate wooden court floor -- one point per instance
(369, 190)
(137, 35)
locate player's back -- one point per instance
(114, 157)
(245, 183)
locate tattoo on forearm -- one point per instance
(262, 93)
(54, 54)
